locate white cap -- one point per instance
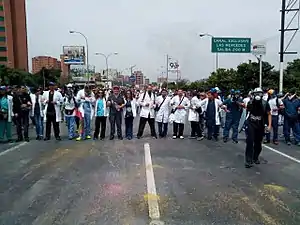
(258, 89)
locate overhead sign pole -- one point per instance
(259, 49)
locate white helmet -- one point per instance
(258, 90)
(69, 85)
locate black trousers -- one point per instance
(195, 129)
(178, 129)
(254, 139)
(142, 125)
(100, 121)
(162, 129)
(22, 122)
(116, 121)
(52, 120)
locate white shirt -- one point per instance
(273, 106)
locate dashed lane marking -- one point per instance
(282, 154)
(152, 196)
(13, 148)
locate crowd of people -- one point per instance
(257, 113)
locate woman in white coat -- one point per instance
(179, 104)
(52, 114)
(162, 113)
(129, 114)
(194, 117)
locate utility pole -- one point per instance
(167, 70)
(286, 7)
(260, 71)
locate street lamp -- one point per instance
(106, 61)
(87, 50)
(217, 55)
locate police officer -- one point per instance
(258, 111)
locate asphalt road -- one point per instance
(111, 182)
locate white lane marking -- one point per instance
(13, 148)
(154, 213)
(282, 154)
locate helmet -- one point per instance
(271, 92)
(237, 92)
(232, 91)
(69, 85)
(213, 90)
(258, 90)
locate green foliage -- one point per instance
(245, 77)
(10, 76)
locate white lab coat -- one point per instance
(193, 114)
(80, 101)
(133, 107)
(180, 114)
(162, 115)
(218, 103)
(145, 110)
(58, 100)
(10, 107)
(40, 99)
(106, 109)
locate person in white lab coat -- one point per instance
(147, 113)
(52, 114)
(179, 104)
(162, 112)
(194, 115)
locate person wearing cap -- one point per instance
(52, 101)
(116, 103)
(258, 111)
(147, 113)
(291, 108)
(37, 112)
(21, 109)
(85, 99)
(5, 115)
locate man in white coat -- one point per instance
(147, 113)
(162, 112)
(179, 104)
(194, 115)
(52, 114)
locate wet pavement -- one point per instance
(105, 182)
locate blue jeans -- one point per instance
(129, 127)
(162, 129)
(39, 125)
(86, 125)
(231, 122)
(287, 125)
(70, 120)
(275, 129)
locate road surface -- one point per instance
(147, 181)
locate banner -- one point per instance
(74, 55)
(173, 65)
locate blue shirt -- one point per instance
(291, 107)
(4, 104)
(100, 108)
(87, 108)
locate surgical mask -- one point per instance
(257, 97)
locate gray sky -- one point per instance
(144, 31)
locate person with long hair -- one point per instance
(101, 113)
(129, 113)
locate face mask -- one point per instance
(257, 98)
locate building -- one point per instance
(13, 34)
(139, 77)
(161, 80)
(147, 81)
(44, 61)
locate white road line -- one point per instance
(154, 213)
(282, 154)
(13, 148)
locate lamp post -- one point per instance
(217, 55)
(106, 62)
(87, 50)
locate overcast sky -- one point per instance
(143, 32)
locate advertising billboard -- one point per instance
(74, 55)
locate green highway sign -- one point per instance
(230, 45)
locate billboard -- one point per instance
(74, 55)
(173, 66)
